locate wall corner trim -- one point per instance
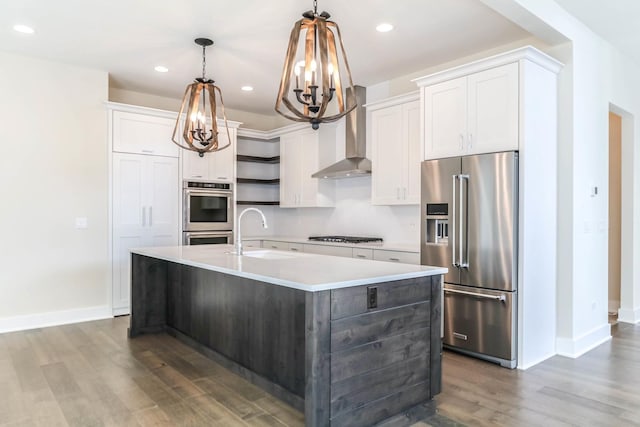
(629, 315)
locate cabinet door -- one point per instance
(290, 170)
(492, 124)
(146, 208)
(342, 251)
(194, 166)
(445, 115)
(413, 151)
(396, 256)
(388, 153)
(163, 201)
(222, 165)
(272, 244)
(143, 134)
(129, 219)
(308, 166)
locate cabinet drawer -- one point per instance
(329, 250)
(142, 134)
(363, 253)
(396, 256)
(296, 247)
(272, 244)
(252, 243)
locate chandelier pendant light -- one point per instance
(317, 77)
(199, 106)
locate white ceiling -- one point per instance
(128, 38)
(614, 20)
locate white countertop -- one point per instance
(304, 271)
(403, 247)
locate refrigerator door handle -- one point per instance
(463, 238)
(453, 223)
(501, 298)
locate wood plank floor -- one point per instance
(91, 374)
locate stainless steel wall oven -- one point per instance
(207, 212)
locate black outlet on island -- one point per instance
(372, 297)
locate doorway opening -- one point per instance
(615, 217)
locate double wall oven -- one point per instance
(207, 213)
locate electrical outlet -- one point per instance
(372, 297)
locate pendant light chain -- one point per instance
(204, 61)
(315, 7)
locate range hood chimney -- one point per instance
(355, 164)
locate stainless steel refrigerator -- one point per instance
(470, 225)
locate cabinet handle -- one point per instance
(404, 192)
(361, 256)
(147, 151)
(150, 216)
(222, 177)
(144, 216)
(197, 176)
(394, 259)
(470, 140)
(461, 141)
(294, 249)
(274, 247)
(397, 193)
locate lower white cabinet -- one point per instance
(145, 212)
(342, 251)
(363, 253)
(272, 244)
(252, 243)
(329, 250)
(396, 256)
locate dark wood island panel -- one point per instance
(342, 356)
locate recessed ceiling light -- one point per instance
(161, 69)
(23, 29)
(247, 88)
(384, 27)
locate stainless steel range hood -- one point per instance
(355, 164)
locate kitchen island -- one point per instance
(347, 341)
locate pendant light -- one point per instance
(200, 127)
(317, 75)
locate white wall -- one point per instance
(54, 170)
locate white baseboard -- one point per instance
(54, 318)
(629, 315)
(522, 365)
(577, 347)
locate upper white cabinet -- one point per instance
(215, 166)
(395, 150)
(302, 153)
(473, 114)
(140, 133)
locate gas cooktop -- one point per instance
(346, 239)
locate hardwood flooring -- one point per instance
(91, 374)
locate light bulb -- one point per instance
(313, 65)
(330, 68)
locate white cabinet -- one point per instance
(215, 166)
(303, 153)
(252, 243)
(395, 151)
(272, 244)
(145, 212)
(396, 256)
(363, 253)
(473, 114)
(143, 134)
(342, 251)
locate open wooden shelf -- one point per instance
(258, 159)
(258, 203)
(258, 181)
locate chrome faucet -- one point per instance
(238, 245)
